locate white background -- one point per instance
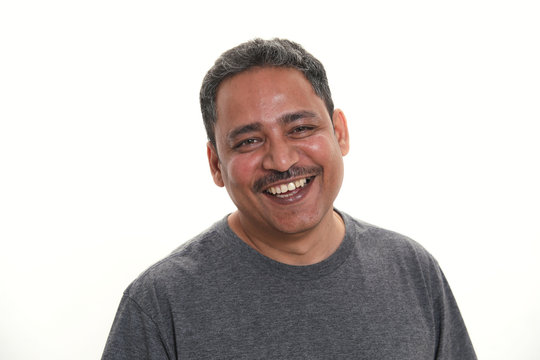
(103, 161)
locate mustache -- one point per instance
(276, 176)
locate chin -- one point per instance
(296, 223)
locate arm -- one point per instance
(454, 341)
(134, 335)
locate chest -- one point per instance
(335, 318)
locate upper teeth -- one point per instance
(283, 188)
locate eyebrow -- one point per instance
(234, 133)
(256, 126)
(297, 115)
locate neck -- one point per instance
(306, 248)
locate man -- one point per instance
(286, 276)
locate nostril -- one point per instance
(280, 158)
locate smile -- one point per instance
(285, 190)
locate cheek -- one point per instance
(325, 151)
(322, 149)
(241, 170)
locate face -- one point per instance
(278, 153)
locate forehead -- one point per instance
(262, 93)
(254, 77)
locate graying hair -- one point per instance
(259, 52)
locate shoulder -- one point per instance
(373, 238)
(198, 258)
(392, 250)
(387, 256)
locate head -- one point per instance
(260, 53)
(280, 142)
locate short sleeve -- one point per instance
(454, 341)
(134, 335)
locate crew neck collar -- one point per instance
(295, 272)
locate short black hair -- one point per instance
(259, 52)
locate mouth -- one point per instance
(289, 189)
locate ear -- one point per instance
(215, 166)
(341, 131)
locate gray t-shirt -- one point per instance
(379, 296)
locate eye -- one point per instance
(246, 143)
(302, 130)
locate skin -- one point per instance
(269, 120)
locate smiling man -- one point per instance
(279, 154)
(286, 276)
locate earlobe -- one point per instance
(341, 131)
(215, 167)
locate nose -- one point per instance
(280, 155)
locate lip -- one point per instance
(295, 195)
(275, 178)
(288, 181)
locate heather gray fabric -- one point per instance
(379, 296)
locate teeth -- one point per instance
(283, 188)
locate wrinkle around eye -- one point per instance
(303, 128)
(302, 131)
(245, 144)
